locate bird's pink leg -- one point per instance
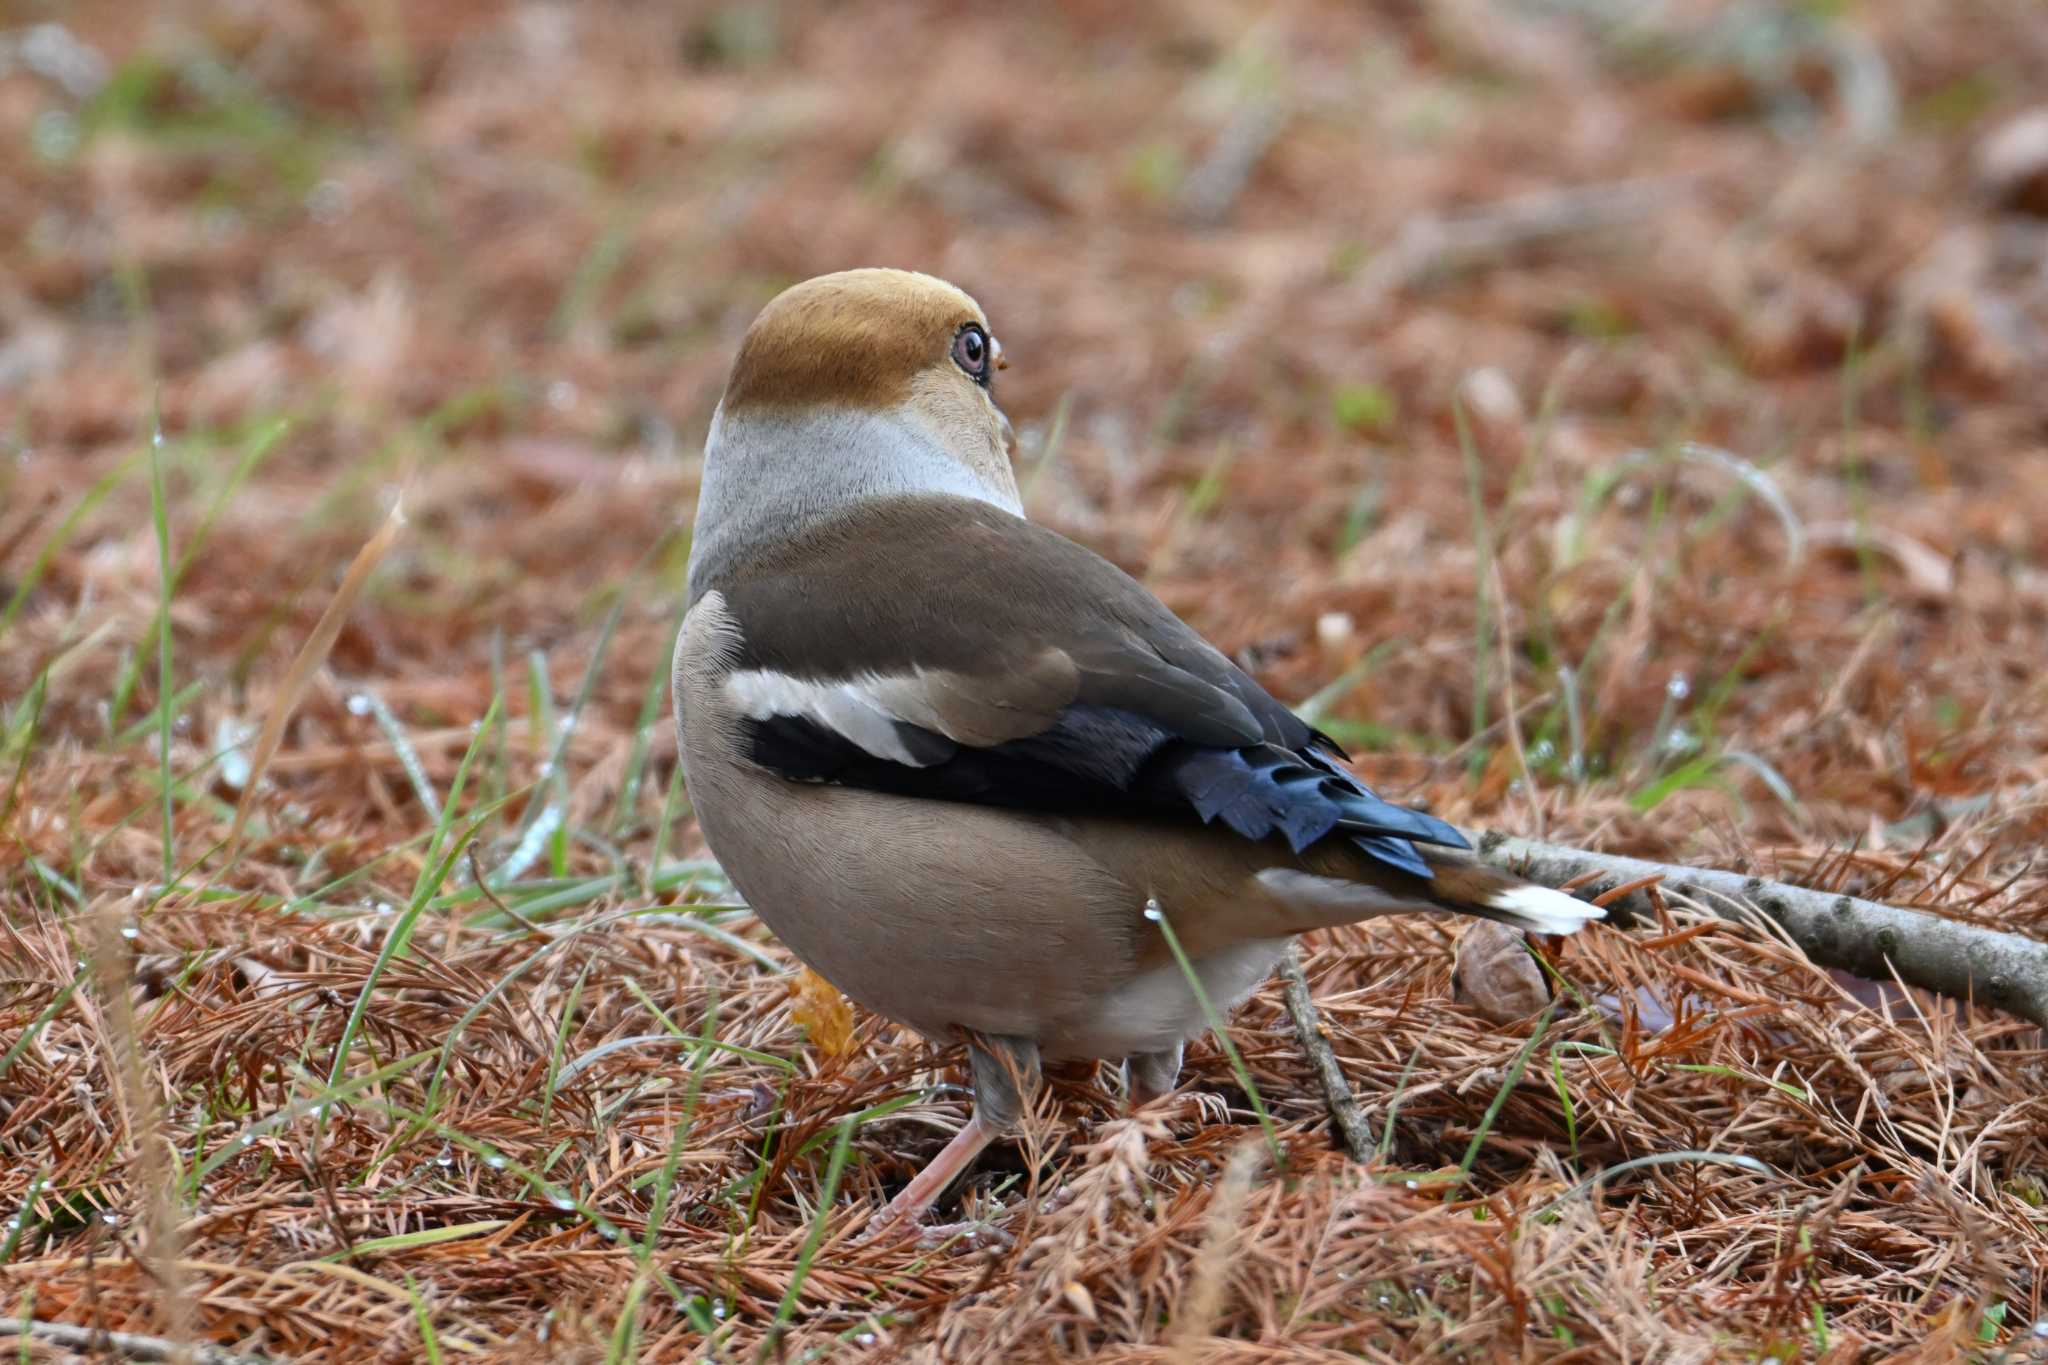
(1005, 1074)
(928, 1184)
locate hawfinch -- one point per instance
(964, 767)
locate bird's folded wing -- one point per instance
(936, 647)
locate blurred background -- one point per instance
(1623, 422)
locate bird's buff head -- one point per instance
(907, 350)
(848, 389)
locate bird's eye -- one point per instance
(970, 352)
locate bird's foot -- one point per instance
(927, 1185)
(968, 1234)
(1152, 1076)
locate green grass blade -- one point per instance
(18, 1226)
(625, 1342)
(668, 817)
(36, 1025)
(396, 940)
(61, 536)
(561, 1043)
(1157, 914)
(21, 738)
(834, 1168)
(424, 1237)
(1598, 1178)
(1394, 1103)
(298, 1109)
(664, 1186)
(159, 514)
(267, 438)
(484, 728)
(1500, 1100)
(430, 1341)
(1564, 1097)
(650, 715)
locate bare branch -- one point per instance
(130, 1345)
(1308, 1027)
(1864, 937)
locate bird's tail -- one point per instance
(1339, 887)
(1459, 882)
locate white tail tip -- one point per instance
(1541, 910)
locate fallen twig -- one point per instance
(1872, 940)
(1308, 1027)
(130, 1345)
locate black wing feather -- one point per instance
(1105, 760)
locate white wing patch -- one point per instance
(853, 709)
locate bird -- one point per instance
(967, 770)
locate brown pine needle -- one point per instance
(307, 662)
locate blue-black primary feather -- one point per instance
(1262, 791)
(1109, 761)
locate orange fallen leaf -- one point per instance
(822, 1012)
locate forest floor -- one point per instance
(1624, 424)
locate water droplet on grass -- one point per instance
(54, 135)
(1679, 688)
(359, 704)
(327, 201)
(1153, 912)
(495, 1162)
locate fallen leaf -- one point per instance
(1495, 976)
(822, 1012)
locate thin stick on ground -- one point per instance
(1308, 1028)
(129, 1345)
(1864, 937)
